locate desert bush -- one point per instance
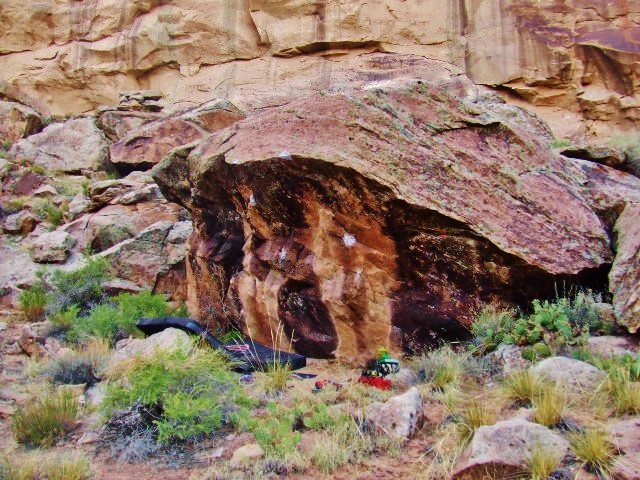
(595, 450)
(440, 367)
(473, 414)
(626, 362)
(191, 391)
(84, 366)
(80, 288)
(549, 405)
(561, 143)
(490, 325)
(117, 319)
(523, 386)
(276, 376)
(49, 467)
(625, 394)
(542, 462)
(33, 302)
(49, 211)
(41, 422)
(274, 433)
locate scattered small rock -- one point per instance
(509, 358)
(3, 326)
(6, 411)
(88, 438)
(400, 416)
(251, 451)
(22, 222)
(626, 437)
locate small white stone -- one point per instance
(282, 254)
(349, 240)
(285, 155)
(252, 200)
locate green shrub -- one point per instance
(561, 143)
(118, 319)
(81, 288)
(624, 393)
(72, 369)
(523, 386)
(41, 422)
(626, 362)
(274, 433)
(33, 302)
(40, 467)
(441, 367)
(65, 319)
(595, 449)
(49, 211)
(193, 391)
(320, 418)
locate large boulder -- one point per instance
(144, 147)
(348, 217)
(624, 278)
(571, 373)
(625, 434)
(71, 146)
(17, 121)
(503, 450)
(154, 259)
(169, 340)
(52, 247)
(399, 417)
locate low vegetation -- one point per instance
(595, 450)
(49, 467)
(41, 422)
(523, 386)
(191, 392)
(542, 462)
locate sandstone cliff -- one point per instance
(574, 61)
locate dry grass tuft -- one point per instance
(549, 406)
(595, 450)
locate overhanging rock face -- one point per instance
(359, 221)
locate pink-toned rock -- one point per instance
(52, 247)
(504, 449)
(399, 417)
(117, 124)
(624, 277)
(17, 121)
(6, 411)
(348, 217)
(626, 437)
(609, 345)
(146, 146)
(71, 146)
(571, 373)
(31, 343)
(22, 222)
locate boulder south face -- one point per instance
(384, 217)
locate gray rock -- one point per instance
(400, 416)
(503, 450)
(52, 247)
(71, 146)
(22, 222)
(509, 358)
(169, 340)
(251, 451)
(609, 345)
(571, 373)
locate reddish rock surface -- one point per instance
(17, 121)
(624, 278)
(346, 216)
(144, 147)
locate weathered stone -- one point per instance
(504, 449)
(246, 453)
(571, 373)
(626, 438)
(52, 247)
(117, 124)
(22, 222)
(6, 411)
(169, 340)
(609, 345)
(149, 261)
(119, 285)
(509, 358)
(340, 216)
(71, 146)
(30, 342)
(405, 378)
(146, 146)
(17, 121)
(624, 277)
(45, 191)
(96, 394)
(400, 416)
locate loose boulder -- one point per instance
(571, 373)
(624, 277)
(142, 148)
(70, 147)
(52, 247)
(170, 339)
(503, 450)
(399, 417)
(17, 121)
(626, 438)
